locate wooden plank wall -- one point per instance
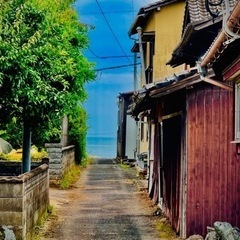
(213, 167)
(171, 169)
(174, 106)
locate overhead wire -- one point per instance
(106, 12)
(114, 67)
(114, 35)
(107, 57)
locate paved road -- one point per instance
(105, 204)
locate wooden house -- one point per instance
(195, 171)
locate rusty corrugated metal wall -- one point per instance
(213, 167)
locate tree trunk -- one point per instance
(26, 155)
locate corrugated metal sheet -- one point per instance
(213, 168)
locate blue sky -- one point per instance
(109, 46)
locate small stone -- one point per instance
(195, 237)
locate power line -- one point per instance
(112, 31)
(107, 57)
(90, 13)
(114, 67)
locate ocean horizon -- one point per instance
(102, 146)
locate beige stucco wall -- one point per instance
(167, 24)
(143, 142)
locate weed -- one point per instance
(124, 166)
(165, 229)
(49, 212)
(71, 177)
(86, 161)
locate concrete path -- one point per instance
(105, 204)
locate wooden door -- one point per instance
(171, 167)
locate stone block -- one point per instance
(55, 160)
(11, 204)
(11, 189)
(11, 218)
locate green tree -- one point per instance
(42, 68)
(78, 131)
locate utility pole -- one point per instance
(135, 70)
(139, 30)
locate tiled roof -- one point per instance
(195, 41)
(198, 10)
(227, 44)
(200, 30)
(144, 98)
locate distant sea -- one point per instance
(102, 147)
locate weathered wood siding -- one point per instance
(172, 169)
(168, 154)
(213, 167)
(173, 113)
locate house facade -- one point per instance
(194, 162)
(151, 27)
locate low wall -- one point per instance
(61, 159)
(10, 168)
(24, 199)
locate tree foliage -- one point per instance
(42, 68)
(78, 131)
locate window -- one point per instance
(148, 39)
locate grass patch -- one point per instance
(165, 229)
(40, 225)
(124, 166)
(71, 177)
(86, 161)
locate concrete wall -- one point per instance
(61, 159)
(24, 200)
(9, 168)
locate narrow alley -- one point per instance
(105, 204)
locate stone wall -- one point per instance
(10, 168)
(24, 199)
(61, 159)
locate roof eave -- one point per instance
(219, 41)
(146, 12)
